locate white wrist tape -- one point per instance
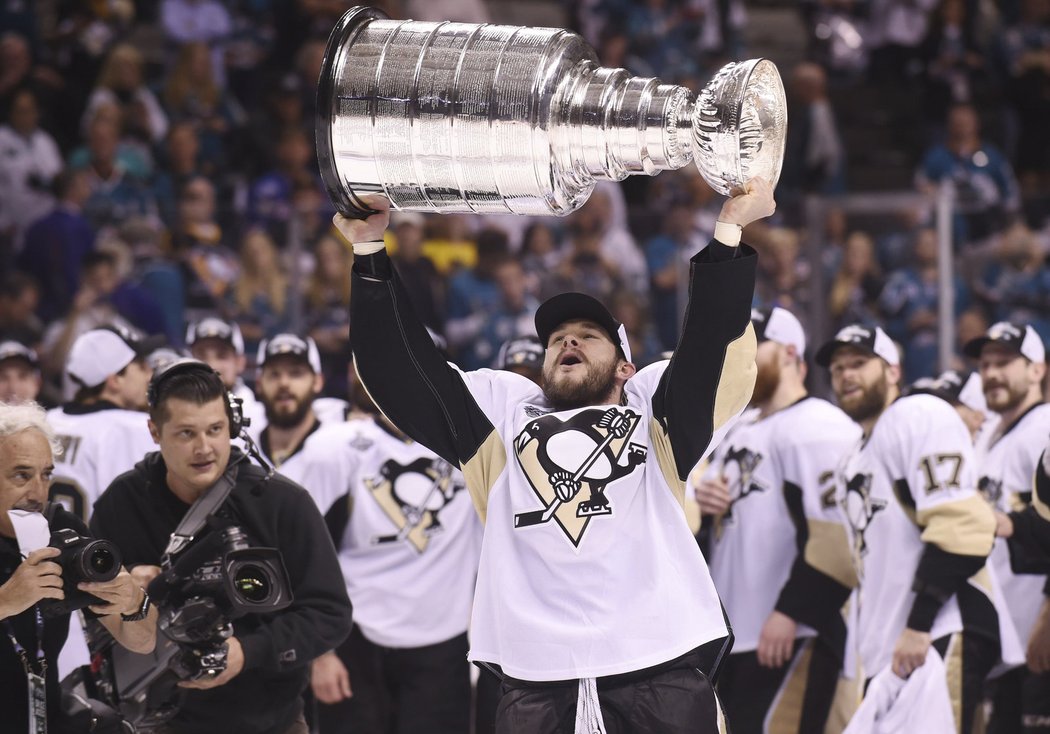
(368, 248)
(725, 232)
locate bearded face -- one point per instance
(1005, 378)
(860, 383)
(591, 384)
(287, 388)
(579, 366)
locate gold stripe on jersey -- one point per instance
(828, 551)
(982, 580)
(953, 671)
(483, 469)
(737, 380)
(965, 527)
(1041, 492)
(786, 716)
(665, 460)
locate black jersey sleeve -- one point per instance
(405, 374)
(712, 372)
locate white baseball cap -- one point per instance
(96, 355)
(779, 325)
(870, 338)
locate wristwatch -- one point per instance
(141, 613)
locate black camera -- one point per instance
(82, 559)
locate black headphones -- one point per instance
(233, 404)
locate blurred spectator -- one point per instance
(182, 162)
(1016, 287)
(56, 245)
(209, 266)
(270, 197)
(104, 298)
(450, 243)
(985, 192)
(972, 323)
(192, 94)
(952, 60)
(478, 339)
(282, 110)
(461, 11)
(540, 254)
(910, 302)
(20, 379)
(595, 219)
(856, 287)
(586, 268)
(667, 255)
(895, 32)
(18, 72)
(312, 209)
(259, 297)
(522, 356)
(814, 159)
(1026, 46)
(116, 193)
(19, 299)
(204, 22)
(121, 84)
(835, 38)
(328, 309)
(135, 156)
(473, 293)
(29, 160)
(629, 311)
(157, 273)
(424, 284)
(783, 277)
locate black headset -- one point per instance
(233, 404)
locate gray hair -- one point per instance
(18, 417)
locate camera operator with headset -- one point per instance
(198, 478)
(33, 625)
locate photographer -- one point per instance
(31, 641)
(192, 419)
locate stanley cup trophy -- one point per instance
(457, 117)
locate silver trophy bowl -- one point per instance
(456, 117)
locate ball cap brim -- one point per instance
(556, 310)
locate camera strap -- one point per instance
(205, 506)
(35, 674)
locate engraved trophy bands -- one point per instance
(456, 117)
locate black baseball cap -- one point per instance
(958, 387)
(869, 338)
(1022, 338)
(563, 307)
(289, 345)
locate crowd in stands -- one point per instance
(158, 165)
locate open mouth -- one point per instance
(570, 359)
(202, 465)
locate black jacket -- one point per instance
(138, 512)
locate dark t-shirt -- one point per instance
(14, 695)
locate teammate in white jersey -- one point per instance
(103, 434)
(20, 379)
(409, 542)
(1012, 363)
(220, 345)
(593, 602)
(920, 529)
(779, 554)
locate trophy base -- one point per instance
(347, 202)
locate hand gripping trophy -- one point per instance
(458, 117)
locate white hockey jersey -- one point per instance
(755, 544)
(406, 532)
(1006, 473)
(541, 551)
(99, 444)
(911, 483)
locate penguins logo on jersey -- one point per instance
(559, 457)
(413, 496)
(991, 490)
(747, 462)
(860, 509)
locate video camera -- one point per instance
(216, 580)
(82, 559)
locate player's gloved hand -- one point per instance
(777, 640)
(910, 652)
(366, 232)
(713, 496)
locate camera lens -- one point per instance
(102, 561)
(253, 583)
(99, 560)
